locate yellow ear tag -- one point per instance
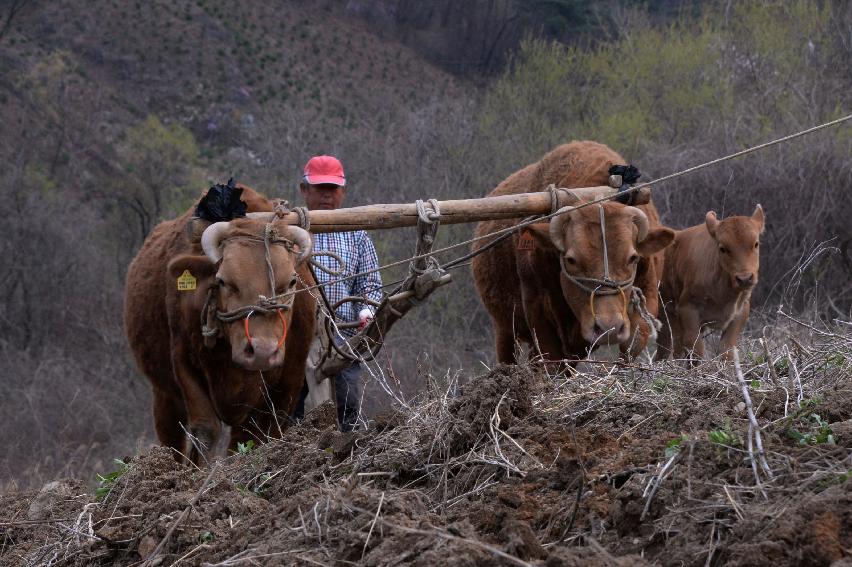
(186, 281)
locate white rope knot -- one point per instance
(427, 227)
(304, 219)
(281, 208)
(425, 215)
(554, 193)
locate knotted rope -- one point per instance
(341, 265)
(427, 226)
(427, 216)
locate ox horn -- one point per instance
(640, 219)
(557, 223)
(211, 240)
(302, 238)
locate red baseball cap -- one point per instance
(324, 169)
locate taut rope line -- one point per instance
(633, 189)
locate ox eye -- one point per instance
(222, 285)
(756, 244)
(290, 285)
(570, 260)
(723, 250)
(634, 259)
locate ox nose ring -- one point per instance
(283, 324)
(623, 297)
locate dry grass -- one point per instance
(518, 465)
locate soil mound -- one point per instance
(616, 465)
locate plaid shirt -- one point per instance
(358, 253)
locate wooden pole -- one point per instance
(375, 217)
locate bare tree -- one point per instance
(11, 9)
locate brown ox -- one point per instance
(709, 274)
(534, 285)
(250, 384)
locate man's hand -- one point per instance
(364, 317)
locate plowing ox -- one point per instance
(214, 350)
(710, 272)
(549, 286)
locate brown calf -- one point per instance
(708, 276)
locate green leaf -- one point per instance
(245, 448)
(106, 482)
(673, 446)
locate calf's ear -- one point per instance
(656, 240)
(758, 217)
(711, 222)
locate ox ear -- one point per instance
(711, 222)
(184, 268)
(759, 217)
(656, 240)
(540, 234)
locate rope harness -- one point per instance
(366, 344)
(211, 317)
(605, 286)
(608, 286)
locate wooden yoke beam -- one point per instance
(376, 217)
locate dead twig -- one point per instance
(373, 525)
(657, 482)
(450, 537)
(755, 427)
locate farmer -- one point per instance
(323, 187)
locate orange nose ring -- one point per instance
(283, 324)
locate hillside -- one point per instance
(272, 79)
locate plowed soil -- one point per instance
(614, 466)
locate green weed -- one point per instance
(660, 384)
(673, 446)
(106, 482)
(835, 361)
(818, 431)
(724, 437)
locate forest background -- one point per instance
(115, 115)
